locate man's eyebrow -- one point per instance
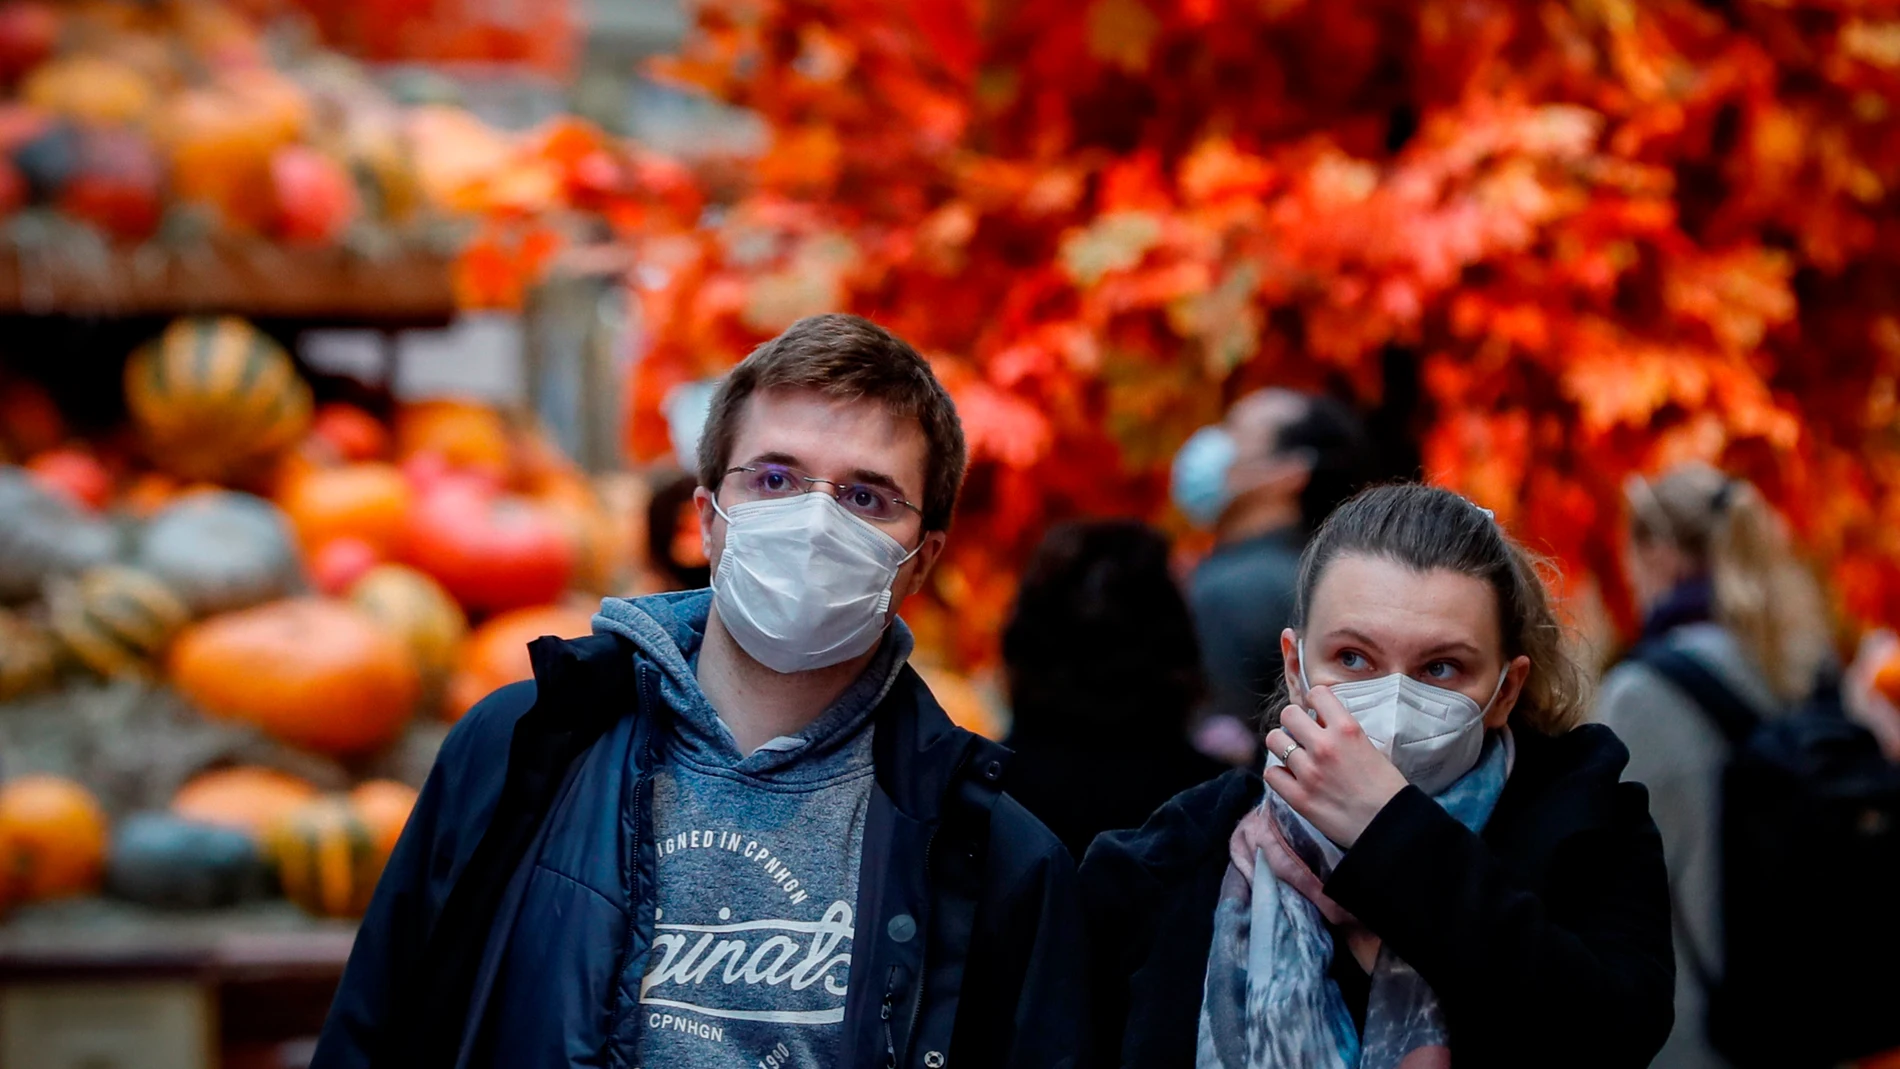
(784, 460)
(875, 478)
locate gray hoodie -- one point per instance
(757, 860)
(1678, 754)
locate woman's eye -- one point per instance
(775, 480)
(1441, 670)
(1352, 661)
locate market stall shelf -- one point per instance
(244, 278)
(93, 982)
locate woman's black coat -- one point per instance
(1546, 938)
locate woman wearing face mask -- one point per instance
(1440, 865)
(1718, 584)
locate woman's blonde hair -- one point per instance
(1426, 528)
(1762, 593)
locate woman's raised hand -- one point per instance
(1333, 776)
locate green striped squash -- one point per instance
(212, 396)
(114, 619)
(326, 857)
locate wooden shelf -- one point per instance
(249, 279)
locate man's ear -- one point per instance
(928, 553)
(1290, 473)
(703, 501)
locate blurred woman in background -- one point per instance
(1441, 867)
(1103, 671)
(1711, 568)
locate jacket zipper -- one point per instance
(923, 954)
(640, 788)
(884, 1014)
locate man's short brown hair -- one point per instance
(850, 358)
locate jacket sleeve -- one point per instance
(1051, 1020)
(1023, 1001)
(448, 817)
(1594, 989)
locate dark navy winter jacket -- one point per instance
(970, 939)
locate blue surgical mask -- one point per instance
(1199, 481)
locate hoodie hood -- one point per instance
(669, 629)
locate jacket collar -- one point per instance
(586, 683)
(920, 753)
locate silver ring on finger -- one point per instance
(1288, 752)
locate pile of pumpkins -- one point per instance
(117, 112)
(311, 571)
(229, 835)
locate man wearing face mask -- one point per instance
(733, 828)
(1262, 480)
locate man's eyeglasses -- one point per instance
(764, 482)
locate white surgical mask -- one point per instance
(1432, 735)
(802, 583)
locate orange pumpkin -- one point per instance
(494, 552)
(466, 435)
(221, 140)
(90, 89)
(496, 654)
(315, 673)
(369, 502)
(417, 609)
(57, 834)
(248, 799)
(385, 806)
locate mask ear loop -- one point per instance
(1495, 691)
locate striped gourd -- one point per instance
(214, 395)
(326, 857)
(113, 619)
(28, 656)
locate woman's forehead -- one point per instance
(1402, 607)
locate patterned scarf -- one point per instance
(1270, 1002)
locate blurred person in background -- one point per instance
(1104, 672)
(675, 554)
(722, 830)
(1441, 865)
(1262, 480)
(1718, 584)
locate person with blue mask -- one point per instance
(1262, 481)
